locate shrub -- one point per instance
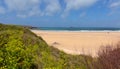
(13, 52)
(22, 49)
(19, 47)
(110, 57)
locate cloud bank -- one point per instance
(52, 7)
(115, 4)
(23, 8)
(28, 8)
(77, 4)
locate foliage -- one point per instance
(13, 52)
(109, 57)
(22, 49)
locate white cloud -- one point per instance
(52, 6)
(21, 5)
(115, 7)
(2, 10)
(115, 4)
(77, 4)
(24, 7)
(27, 8)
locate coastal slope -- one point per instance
(22, 49)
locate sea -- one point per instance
(82, 29)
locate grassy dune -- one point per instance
(22, 49)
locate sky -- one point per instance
(61, 13)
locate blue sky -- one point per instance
(61, 13)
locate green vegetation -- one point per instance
(22, 49)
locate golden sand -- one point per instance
(79, 42)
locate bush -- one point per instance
(13, 52)
(22, 49)
(108, 58)
(19, 47)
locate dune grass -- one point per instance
(22, 49)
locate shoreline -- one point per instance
(74, 31)
(79, 42)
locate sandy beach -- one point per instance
(79, 42)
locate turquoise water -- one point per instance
(78, 29)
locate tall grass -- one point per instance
(108, 58)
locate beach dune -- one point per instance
(79, 42)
